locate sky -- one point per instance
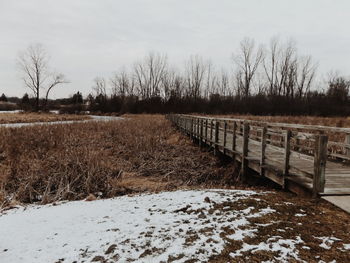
(89, 38)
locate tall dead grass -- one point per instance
(343, 122)
(67, 162)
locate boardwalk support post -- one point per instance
(245, 151)
(320, 159)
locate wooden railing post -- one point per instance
(191, 130)
(263, 149)
(198, 129)
(216, 137)
(206, 130)
(287, 137)
(320, 160)
(234, 128)
(245, 151)
(195, 128)
(211, 132)
(201, 133)
(188, 124)
(347, 141)
(225, 137)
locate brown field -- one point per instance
(339, 122)
(68, 162)
(38, 117)
(343, 122)
(58, 162)
(145, 153)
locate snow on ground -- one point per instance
(176, 226)
(327, 242)
(94, 118)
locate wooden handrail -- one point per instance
(215, 133)
(278, 124)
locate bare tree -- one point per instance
(287, 69)
(238, 85)
(195, 73)
(248, 60)
(149, 74)
(211, 86)
(288, 74)
(33, 63)
(121, 83)
(100, 86)
(223, 83)
(271, 65)
(338, 87)
(170, 87)
(305, 76)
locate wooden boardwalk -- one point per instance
(301, 158)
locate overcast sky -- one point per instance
(89, 38)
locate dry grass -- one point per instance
(38, 117)
(340, 122)
(321, 219)
(343, 122)
(68, 162)
(144, 153)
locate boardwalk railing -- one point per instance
(275, 150)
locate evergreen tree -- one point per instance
(3, 98)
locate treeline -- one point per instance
(265, 80)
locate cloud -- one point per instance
(86, 38)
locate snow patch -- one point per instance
(145, 228)
(327, 242)
(285, 248)
(300, 215)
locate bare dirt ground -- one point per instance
(6, 118)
